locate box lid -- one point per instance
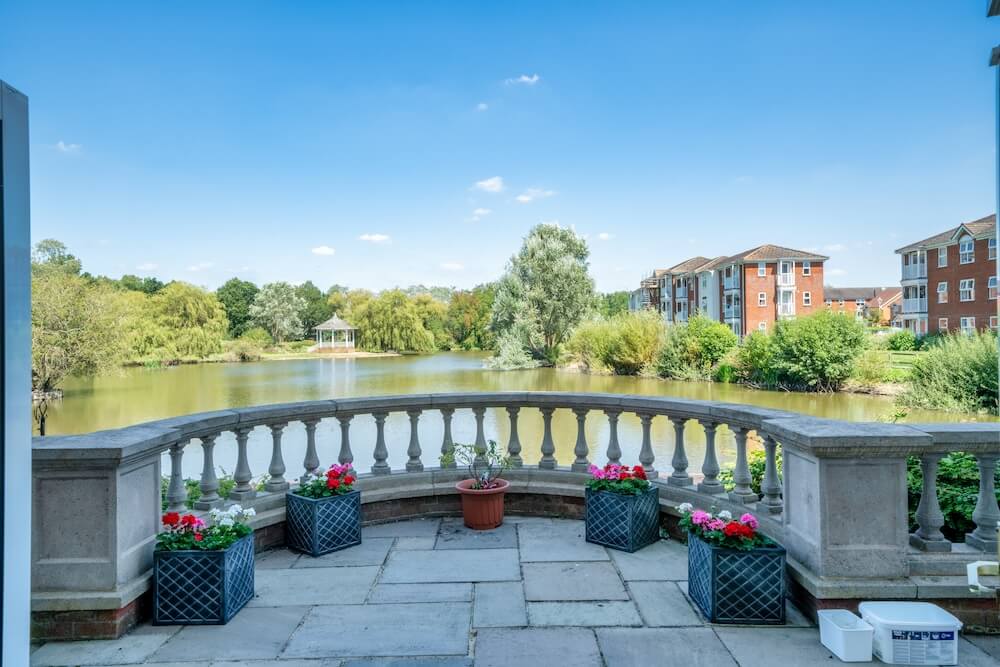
(907, 613)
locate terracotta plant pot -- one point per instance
(482, 509)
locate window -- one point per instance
(859, 304)
(807, 299)
(761, 298)
(993, 321)
(991, 286)
(829, 302)
(942, 257)
(967, 289)
(841, 303)
(761, 269)
(943, 324)
(762, 326)
(967, 325)
(942, 292)
(992, 245)
(806, 267)
(966, 250)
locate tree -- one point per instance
(545, 292)
(316, 310)
(75, 330)
(236, 296)
(817, 352)
(53, 254)
(276, 308)
(346, 302)
(613, 303)
(391, 322)
(468, 320)
(193, 319)
(147, 285)
(434, 315)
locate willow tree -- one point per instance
(545, 292)
(194, 319)
(277, 308)
(391, 322)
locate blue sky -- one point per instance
(343, 142)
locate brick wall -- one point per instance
(813, 284)
(980, 270)
(753, 284)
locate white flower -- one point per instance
(249, 513)
(726, 515)
(226, 521)
(685, 508)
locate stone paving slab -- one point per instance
(769, 646)
(584, 614)
(331, 662)
(662, 604)
(537, 647)
(665, 560)
(414, 543)
(253, 634)
(429, 629)
(557, 541)
(674, 647)
(989, 644)
(455, 535)
(499, 604)
(371, 551)
(412, 528)
(310, 586)
(395, 593)
(550, 582)
(451, 565)
(279, 559)
(132, 648)
(407, 662)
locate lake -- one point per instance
(139, 394)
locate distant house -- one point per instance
(862, 302)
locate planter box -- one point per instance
(732, 586)
(318, 526)
(627, 523)
(202, 587)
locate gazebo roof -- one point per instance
(335, 324)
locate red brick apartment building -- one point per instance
(863, 302)
(949, 280)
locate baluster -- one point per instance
(710, 466)
(770, 486)
(176, 491)
(311, 460)
(381, 452)
(986, 515)
(514, 445)
(742, 492)
(447, 444)
(548, 461)
(679, 477)
(646, 456)
(614, 449)
(479, 462)
(413, 451)
(209, 482)
(928, 536)
(345, 455)
(581, 464)
(277, 468)
(243, 491)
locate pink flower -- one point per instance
(749, 520)
(698, 517)
(715, 524)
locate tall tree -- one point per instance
(468, 321)
(433, 315)
(316, 310)
(346, 303)
(53, 254)
(391, 322)
(195, 319)
(147, 285)
(276, 308)
(613, 303)
(545, 292)
(236, 296)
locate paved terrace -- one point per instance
(432, 593)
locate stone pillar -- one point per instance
(548, 461)
(209, 481)
(243, 491)
(986, 515)
(381, 453)
(177, 491)
(710, 467)
(276, 483)
(345, 455)
(646, 456)
(614, 452)
(770, 486)
(581, 450)
(742, 492)
(479, 461)
(414, 463)
(680, 476)
(514, 445)
(928, 536)
(447, 444)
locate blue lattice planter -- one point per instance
(318, 526)
(202, 587)
(732, 586)
(623, 522)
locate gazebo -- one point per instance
(341, 334)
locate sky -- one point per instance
(395, 143)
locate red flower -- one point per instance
(332, 483)
(189, 520)
(737, 529)
(171, 519)
(639, 472)
(349, 479)
(198, 537)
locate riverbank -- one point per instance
(226, 358)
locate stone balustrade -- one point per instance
(839, 505)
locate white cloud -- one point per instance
(525, 79)
(492, 184)
(375, 238)
(482, 106)
(452, 266)
(605, 236)
(531, 194)
(147, 266)
(835, 247)
(200, 266)
(324, 250)
(478, 214)
(63, 147)
(835, 272)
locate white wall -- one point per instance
(708, 293)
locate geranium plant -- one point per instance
(628, 481)
(722, 529)
(337, 481)
(189, 532)
(485, 467)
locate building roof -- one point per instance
(854, 293)
(771, 253)
(688, 265)
(335, 324)
(978, 228)
(994, 8)
(995, 56)
(713, 264)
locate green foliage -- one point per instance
(243, 350)
(258, 336)
(434, 315)
(754, 362)
(468, 318)
(757, 462)
(959, 374)
(193, 488)
(872, 367)
(277, 308)
(485, 466)
(236, 296)
(611, 304)
(52, 255)
(391, 322)
(957, 489)
(626, 344)
(346, 303)
(903, 340)
(316, 308)
(545, 292)
(693, 349)
(147, 285)
(511, 355)
(193, 320)
(817, 352)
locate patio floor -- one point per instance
(432, 593)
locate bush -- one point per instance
(694, 348)
(903, 340)
(873, 367)
(754, 360)
(258, 336)
(625, 344)
(958, 488)
(817, 352)
(958, 373)
(243, 350)
(510, 355)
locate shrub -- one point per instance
(258, 336)
(625, 344)
(244, 350)
(957, 487)
(694, 348)
(589, 344)
(958, 373)
(873, 367)
(754, 360)
(510, 355)
(817, 352)
(903, 340)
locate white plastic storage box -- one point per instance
(847, 636)
(912, 633)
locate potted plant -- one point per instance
(323, 513)
(735, 573)
(203, 573)
(483, 493)
(622, 508)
